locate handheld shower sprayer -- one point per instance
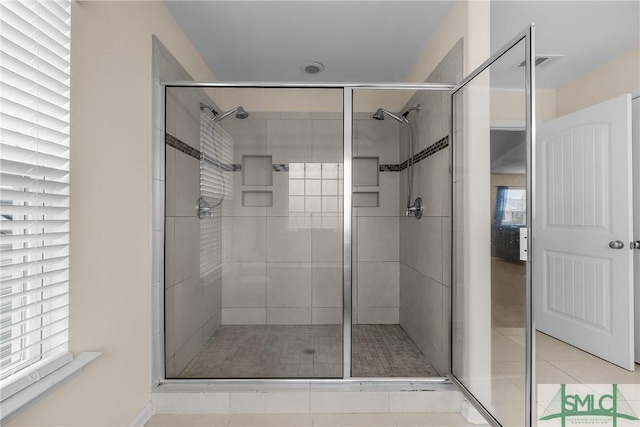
(203, 208)
(417, 207)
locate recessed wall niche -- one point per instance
(257, 170)
(365, 171)
(365, 199)
(257, 198)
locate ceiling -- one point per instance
(356, 41)
(379, 41)
(588, 33)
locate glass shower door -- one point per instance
(491, 164)
(253, 277)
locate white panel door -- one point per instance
(583, 288)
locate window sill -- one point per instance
(28, 397)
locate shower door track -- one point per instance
(348, 89)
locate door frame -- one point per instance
(528, 35)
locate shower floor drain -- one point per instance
(309, 350)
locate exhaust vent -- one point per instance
(543, 60)
(312, 67)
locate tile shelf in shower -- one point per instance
(257, 170)
(257, 199)
(365, 171)
(363, 199)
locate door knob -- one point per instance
(634, 245)
(616, 244)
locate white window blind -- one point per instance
(216, 182)
(34, 189)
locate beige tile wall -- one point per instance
(192, 303)
(376, 265)
(282, 267)
(286, 268)
(425, 259)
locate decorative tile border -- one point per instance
(237, 167)
(174, 142)
(389, 168)
(433, 149)
(225, 167)
(429, 151)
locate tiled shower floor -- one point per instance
(306, 351)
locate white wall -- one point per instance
(111, 224)
(510, 106)
(615, 77)
(469, 20)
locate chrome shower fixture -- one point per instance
(240, 113)
(417, 207)
(208, 108)
(415, 108)
(380, 112)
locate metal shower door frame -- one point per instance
(528, 35)
(347, 259)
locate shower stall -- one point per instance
(260, 196)
(342, 232)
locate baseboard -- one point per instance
(143, 417)
(301, 398)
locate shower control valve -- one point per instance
(204, 209)
(416, 209)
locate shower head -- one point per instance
(380, 112)
(240, 113)
(378, 115)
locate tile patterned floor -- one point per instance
(556, 363)
(387, 351)
(307, 351)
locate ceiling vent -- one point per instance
(312, 67)
(543, 60)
